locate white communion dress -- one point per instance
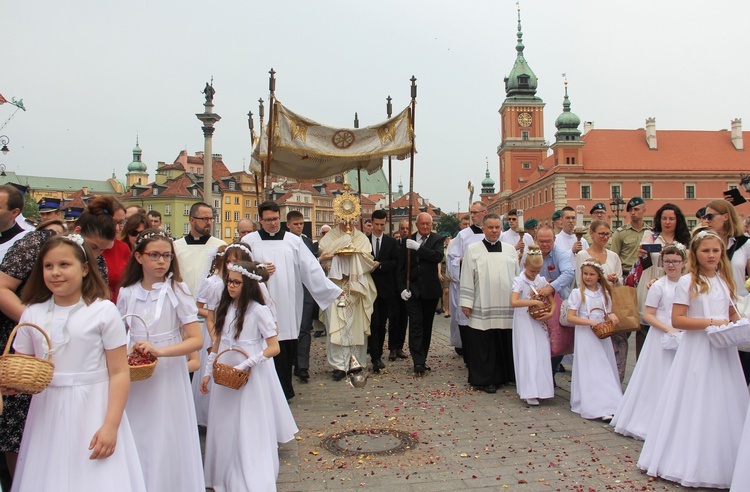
(63, 418)
(695, 432)
(246, 425)
(161, 408)
(209, 293)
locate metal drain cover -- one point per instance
(369, 441)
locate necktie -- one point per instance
(377, 247)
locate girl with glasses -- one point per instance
(637, 406)
(161, 408)
(245, 425)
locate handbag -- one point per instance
(563, 318)
(625, 307)
(561, 337)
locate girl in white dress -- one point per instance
(207, 298)
(77, 436)
(161, 408)
(636, 409)
(531, 351)
(595, 389)
(695, 431)
(245, 425)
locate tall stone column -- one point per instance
(209, 118)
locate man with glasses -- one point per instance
(196, 250)
(455, 255)
(513, 237)
(291, 266)
(626, 241)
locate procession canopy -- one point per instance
(305, 149)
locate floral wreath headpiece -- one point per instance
(679, 247)
(707, 233)
(593, 264)
(244, 272)
(77, 239)
(150, 235)
(534, 252)
(240, 246)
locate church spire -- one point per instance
(567, 123)
(521, 82)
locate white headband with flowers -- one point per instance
(240, 246)
(244, 272)
(77, 239)
(150, 235)
(593, 264)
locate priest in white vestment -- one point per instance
(489, 268)
(349, 326)
(196, 250)
(291, 265)
(454, 256)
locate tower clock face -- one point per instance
(524, 119)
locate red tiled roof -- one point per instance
(177, 187)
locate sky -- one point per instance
(94, 75)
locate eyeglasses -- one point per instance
(233, 283)
(133, 232)
(270, 219)
(121, 223)
(206, 219)
(604, 234)
(672, 262)
(154, 256)
(709, 216)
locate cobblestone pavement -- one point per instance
(466, 440)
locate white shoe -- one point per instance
(608, 418)
(532, 402)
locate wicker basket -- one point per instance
(145, 371)
(605, 328)
(24, 373)
(537, 312)
(227, 375)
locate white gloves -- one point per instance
(406, 294)
(251, 361)
(208, 370)
(412, 244)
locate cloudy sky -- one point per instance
(94, 74)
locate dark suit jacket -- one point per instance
(425, 283)
(385, 276)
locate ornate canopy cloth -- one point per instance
(304, 149)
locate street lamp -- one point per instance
(745, 182)
(4, 141)
(617, 205)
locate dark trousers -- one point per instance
(462, 329)
(421, 313)
(284, 362)
(305, 329)
(745, 361)
(491, 360)
(397, 329)
(382, 312)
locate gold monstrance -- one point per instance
(347, 208)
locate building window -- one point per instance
(247, 203)
(155, 191)
(247, 216)
(525, 165)
(570, 160)
(227, 199)
(615, 190)
(731, 186)
(256, 202)
(186, 210)
(168, 228)
(150, 208)
(646, 191)
(236, 216)
(546, 196)
(255, 217)
(216, 188)
(689, 191)
(216, 203)
(236, 200)
(231, 185)
(586, 192)
(195, 191)
(317, 216)
(307, 213)
(692, 223)
(186, 228)
(227, 232)
(524, 135)
(168, 209)
(227, 216)
(192, 169)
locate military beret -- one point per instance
(557, 214)
(530, 224)
(700, 213)
(634, 202)
(598, 206)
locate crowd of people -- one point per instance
(110, 282)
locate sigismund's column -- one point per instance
(209, 118)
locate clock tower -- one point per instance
(523, 147)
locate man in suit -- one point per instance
(397, 328)
(424, 250)
(385, 253)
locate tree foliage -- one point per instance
(448, 225)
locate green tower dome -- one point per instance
(567, 123)
(488, 184)
(522, 80)
(137, 166)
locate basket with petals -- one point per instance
(227, 375)
(604, 329)
(142, 365)
(538, 312)
(25, 373)
(734, 334)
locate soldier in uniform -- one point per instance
(626, 241)
(49, 208)
(557, 221)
